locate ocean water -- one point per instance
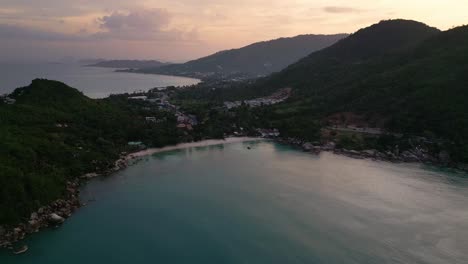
(270, 204)
(92, 81)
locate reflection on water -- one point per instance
(266, 204)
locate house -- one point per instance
(268, 132)
(137, 144)
(192, 120)
(8, 100)
(151, 119)
(143, 98)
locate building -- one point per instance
(269, 132)
(143, 98)
(151, 119)
(8, 100)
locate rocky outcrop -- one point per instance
(51, 215)
(59, 210)
(416, 154)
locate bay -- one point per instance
(94, 82)
(267, 204)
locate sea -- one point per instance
(94, 82)
(262, 202)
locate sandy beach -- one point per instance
(202, 143)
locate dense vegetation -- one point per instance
(54, 133)
(409, 75)
(401, 75)
(257, 59)
(418, 88)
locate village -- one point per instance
(160, 99)
(277, 97)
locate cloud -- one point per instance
(145, 19)
(137, 25)
(143, 24)
(340, 9)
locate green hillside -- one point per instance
(53, 133)
(403, 76)
(260, 58)
(418, 88)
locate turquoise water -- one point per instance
(92, 81)
(270, 204)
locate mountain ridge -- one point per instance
(259, 58)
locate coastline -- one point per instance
(412, 156)
(188, 76)
(56, 213)
(203, 143)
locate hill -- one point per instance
(260, 58)
(401, 76)
(344, 59)
(51, 133)
(413, 82)
(128, 64)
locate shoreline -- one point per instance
(56, 213)
(374, 155)
(126, 70)
(203, 143)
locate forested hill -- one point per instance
(260, 58)
(414, 79)
(342, 59)
(52, 133)
(408, 76)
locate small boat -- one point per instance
(21, 250)
(249, 147)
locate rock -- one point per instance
(351, 152)
(409, 157)
(34, 224)
(307, 146)
(34, 216)
(369, 152)
(381, 155)
(89, 176)
(17, 230)
(41, 210)
(444, 157)
(56, 219)
(329, 146)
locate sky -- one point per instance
(180, 30)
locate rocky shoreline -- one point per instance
(416, 155)
(54, 214)
(51, 215)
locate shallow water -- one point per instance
(270, 204)
(92, 81)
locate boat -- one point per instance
(21, 250)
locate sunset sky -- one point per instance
(178, 30)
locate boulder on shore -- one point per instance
(34, 216)
(89, 176)
(56, 219)
(307, 146)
